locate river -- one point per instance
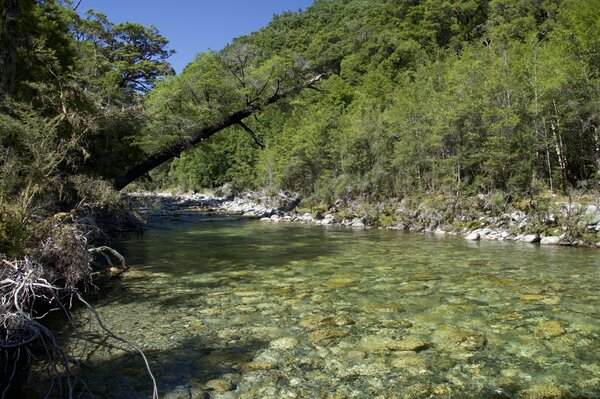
(239, 309)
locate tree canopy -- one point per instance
(422, 97)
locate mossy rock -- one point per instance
(455, 340)
(326, 335)
(250, 367)
(543, 391)
(549, 329)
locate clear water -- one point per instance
(293, 311)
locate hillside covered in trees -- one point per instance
(421, 98)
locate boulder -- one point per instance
(530, 238)
(550, 240)
(474, 236)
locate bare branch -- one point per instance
(251, 133)
(77, 5)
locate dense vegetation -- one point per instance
(423, 98)
(66, 115)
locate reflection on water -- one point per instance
(239, 309)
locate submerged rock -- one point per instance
(339, 283)
(549, 329)
(378, 344)
(284, 343)
(326, 336)
(539, 298)
(220, 385)
(543, 391)
(424, 277)
(452, 340)
(314, 322)
(250, 367)
(416, 391)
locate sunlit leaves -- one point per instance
(120, 60)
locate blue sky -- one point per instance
(194, 26)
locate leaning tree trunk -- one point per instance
(174, 150)
(8, 48)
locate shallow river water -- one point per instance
(238, 309)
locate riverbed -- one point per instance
(233, 308)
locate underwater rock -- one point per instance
(220, 385)
(549, 329)
(543, 391)
(326, 336)
(539, 298)
(423, 277)
(339, 283)
(284, 343)
(416, 391)
(250, 367)
(378, 344)
(314, 322)
(452, 339)
(343, 320)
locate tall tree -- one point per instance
(8, 48)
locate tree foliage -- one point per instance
(422, 97)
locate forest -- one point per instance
(357, 104)
(422, 98)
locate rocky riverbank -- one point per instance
(561, 223)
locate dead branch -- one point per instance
(106, 251)
(21, 285)
(251, 133)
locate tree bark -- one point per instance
(174, 150)
(8, 48)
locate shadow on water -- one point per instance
(181, 371)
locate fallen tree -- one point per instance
(236, 118)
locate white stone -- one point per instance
(517, 216)
(474, 236)
(591, 209)
(550, 240)
(530, 238)
(491, 236)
